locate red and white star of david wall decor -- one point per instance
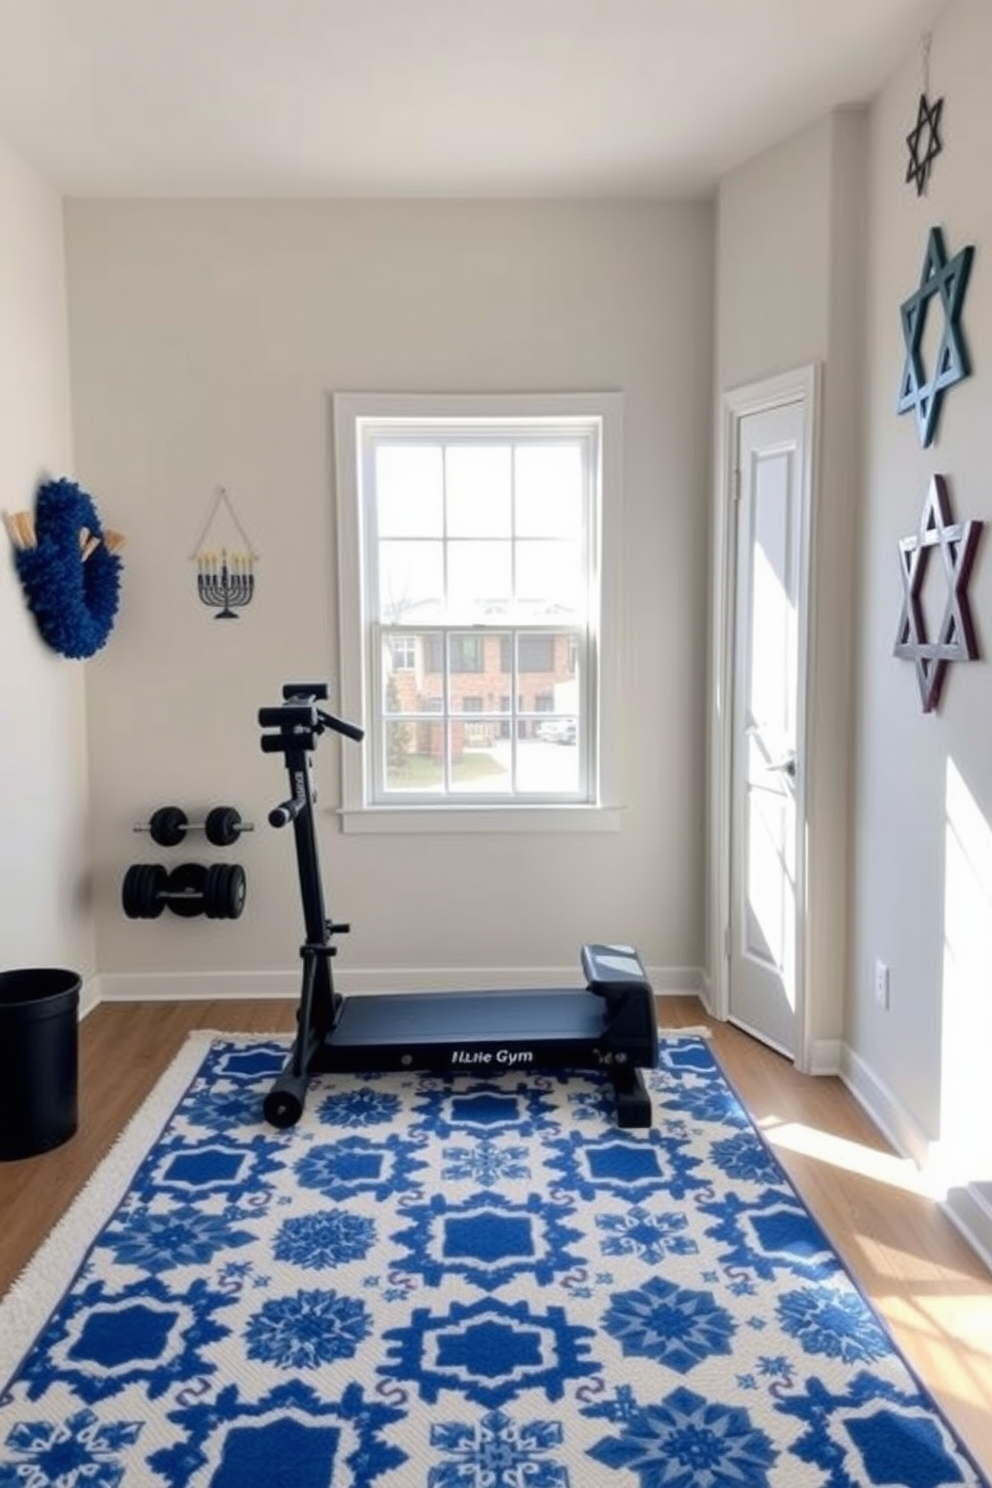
(954, 640)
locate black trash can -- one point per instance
(39, 1060)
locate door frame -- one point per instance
(803, 384)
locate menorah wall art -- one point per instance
(225, 574)
(225, 581)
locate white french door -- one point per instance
(766, 645)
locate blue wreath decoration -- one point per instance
(73, 600)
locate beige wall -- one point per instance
(789, 294)
(207, 339)
(45, 918)
(773, 260)
(820, 241)
(923, 808)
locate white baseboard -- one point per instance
(893, 1121)
(207, 986)
(195, 986)
(970, 1211)
(678, 981)
(826, 1057)
(89, 996)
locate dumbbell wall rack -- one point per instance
(189, 889)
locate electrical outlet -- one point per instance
(882, 984)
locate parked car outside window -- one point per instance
(557, 731)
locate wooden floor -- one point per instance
(933, 1292)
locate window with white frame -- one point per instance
(404, 654)
(473, 579)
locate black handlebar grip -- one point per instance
(341, 726)
(290, 715)
(289, 741)
(281, 815)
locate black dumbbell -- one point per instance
(143, 891)
(169, 824)
(190, 889)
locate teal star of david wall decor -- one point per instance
(920, 391)
(954, 639)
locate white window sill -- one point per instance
(428, 819)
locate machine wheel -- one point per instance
(224, 891)
(142, 891)
(168, 825)
(283, 1106)
(223, 825)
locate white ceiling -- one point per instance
(428, 97)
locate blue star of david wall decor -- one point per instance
(923, 152)
(920, 391)
(955, 637)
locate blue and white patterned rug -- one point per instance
(450, 1284)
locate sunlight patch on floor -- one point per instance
(950, 1335)
(854, 1157)
(945, 1320)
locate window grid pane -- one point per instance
(448, 552)
(521, 689)
(499, 534)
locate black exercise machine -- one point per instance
(610, 1025)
